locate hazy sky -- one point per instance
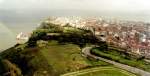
(129, 9)
(23, 15)
(99, 5)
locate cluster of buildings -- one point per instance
(133, 36)
(130, 35)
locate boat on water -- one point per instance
(22, 38)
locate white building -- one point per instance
(22, 38)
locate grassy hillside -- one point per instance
(50, 59)
(64, 58)
(52, 50)
(43, 56)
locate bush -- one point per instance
(37, 35)
(2, 68)
(121, 59)
(12, 69)
(41, 43)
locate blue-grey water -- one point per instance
(14, 22)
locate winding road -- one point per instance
(86, 53)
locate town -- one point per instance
(133, 36)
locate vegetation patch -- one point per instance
(63, 58)
(116, 56)
(47, 58)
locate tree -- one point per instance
(103, 45)
(12, 69)
(37, 35)
(2, 69)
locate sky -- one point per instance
(23, 15)
(126, 9)
(136, 9)
(98, 5)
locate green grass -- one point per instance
(94, 63)
(63, 58)
(114, 55)
(71, 29)
(52, 59)
(100, 71)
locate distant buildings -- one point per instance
(130, 35)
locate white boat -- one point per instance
(22, 38)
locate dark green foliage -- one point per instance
(141, 58)
(67, 34)
(45, 25)
(15, 56)
(2, 68)
(41, 33)
(122, 57)
(103, 45)
(24, 60)
(76, 38)
(49, 27)
(11, 69)
(37, 35)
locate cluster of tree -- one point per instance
(2, 68)
(76, 38)
(41, 32)
(11, 69)
(18, 57)
(71, 34)
(114, 51)
(50, 27)
(45, 25)
(37, 35)
(7, 68)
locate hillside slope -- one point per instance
(51, 50)
(47, 52)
